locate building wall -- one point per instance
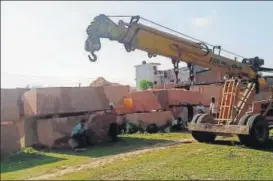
(146, 72)
(149, 71)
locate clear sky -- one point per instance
(42, 43)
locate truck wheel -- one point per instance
(244, 139)
(259, 131)
(205, 118)
(195, 118)
(204, 137)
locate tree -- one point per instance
(145, 84)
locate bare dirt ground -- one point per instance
(109, 159)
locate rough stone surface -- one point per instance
(99, 126)
(55, 132)
(11, 104)
(116, 94)
(208, 91)
(159, 118)
(176, 96)
(44, 101)
(10, 138)
(209, 76)
(145, 101)
(162, 99)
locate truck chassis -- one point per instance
(252, 128)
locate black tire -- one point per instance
(205, 118)
(259, 132)
(244, 139)
(204, 137)
(152, 128)
(195, 118)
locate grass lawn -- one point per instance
(30, 163)
(185, 161)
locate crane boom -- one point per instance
(233, 115)
(155, 42)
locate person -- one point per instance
(190, 111)
(79, 133)
(200, 108)
(213, 108)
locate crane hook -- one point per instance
(94, 59)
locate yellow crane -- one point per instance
(239, 89)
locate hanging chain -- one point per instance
(176, 69)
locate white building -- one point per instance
(150, 72)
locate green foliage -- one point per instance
(145, 84)
(152, 128)
(131, 128)
(141, 128)
(166, 127)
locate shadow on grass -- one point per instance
(21, 160)
(267, 148)
(124, 144)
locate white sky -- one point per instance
(42, 43)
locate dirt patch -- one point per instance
(109, 159)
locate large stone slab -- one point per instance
(11, 104)
(99, 126)
(179, 96)
(79, 99)
(208, 92)
(162, 99)
(56, 132)
(209, 76)
(10, 137)
(45, 101)
(116, 94)
(159, 118)
(145, 101)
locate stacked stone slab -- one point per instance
(45, 101)
(163, 99)
(158, 118)
(56, 131)
(18, 106)
(12, 126)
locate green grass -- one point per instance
(186, 161)
(31, 163)
(189, 161)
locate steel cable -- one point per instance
(195, 39)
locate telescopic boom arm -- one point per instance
(156, 42)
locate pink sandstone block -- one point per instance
(11, 107)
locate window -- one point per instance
(165, 74)
(155, 82)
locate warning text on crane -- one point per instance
(225, 64)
